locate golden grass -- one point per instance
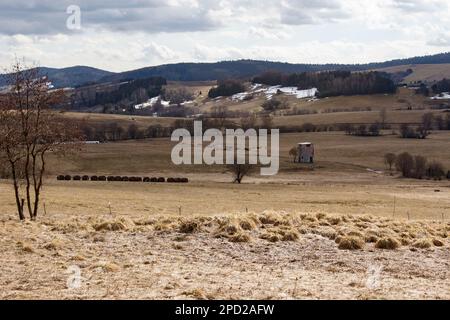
(423, 244)
(351, 243)
(273, 227)
(387, 243)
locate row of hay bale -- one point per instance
(120, 178)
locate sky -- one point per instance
(124, 35)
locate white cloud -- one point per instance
(120, 35)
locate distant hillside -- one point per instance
(249, 68)
(72, 76)
(421, 72)
(77, 76)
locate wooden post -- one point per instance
(179, 210)
(110, 210)
(393, 213)
(45, 210)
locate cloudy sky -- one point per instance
(122, 35)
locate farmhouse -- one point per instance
(305, 152)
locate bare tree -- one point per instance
(239, 171)
(249, 122)
(293, 153)
(267, 122)
(220, 113)
(420, 166)
(389, 160)
(30, 130)
(405, 164)
(427, 123)
(383, 118)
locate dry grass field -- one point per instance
(272, 255)
(345, 229)
(422, 72)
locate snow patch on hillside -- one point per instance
(150, 103)
(269, 92)
(442, 96)
(291, 91)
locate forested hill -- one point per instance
(80, 75)
(250, 68)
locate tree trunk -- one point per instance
(16, 192)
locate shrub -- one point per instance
(102, 178)
(274, 104)
(170, 180)
(435, 170)
(60, 177)
(67, 177)
(308, 127)
(117, 178)
(125, 179)
(94, 178)
(111, 178)
(448, 174)
(76, 178)
(153, 179)
(146, 179)
(85, 178)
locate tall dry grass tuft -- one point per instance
(189, 226)
(118, 224)
(387, 243)
(351, 243)
(422, 244)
